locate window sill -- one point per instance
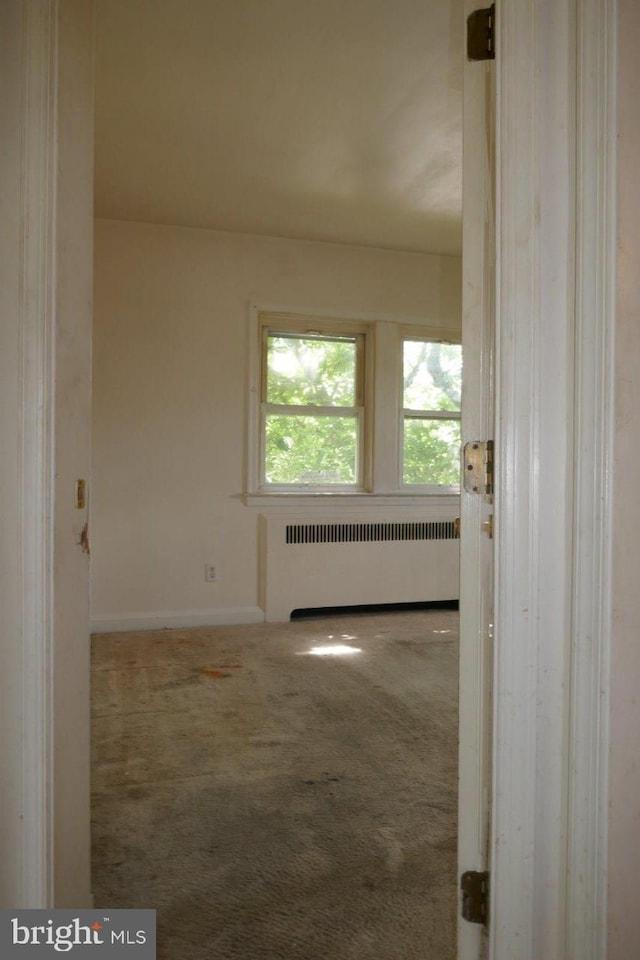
(343, 501)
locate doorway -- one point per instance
(169, 409)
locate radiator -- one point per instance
(338, 562)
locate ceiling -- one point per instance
(336, 120)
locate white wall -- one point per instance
(624, 807)
(170, 360)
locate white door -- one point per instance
(476, 546)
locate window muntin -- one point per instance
(431, 395)
(312, 410)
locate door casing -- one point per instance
(555, 282)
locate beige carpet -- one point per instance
(275, 799)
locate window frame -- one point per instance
(323, 331)
(380, 386)
(408, 413)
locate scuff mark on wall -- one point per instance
(84, 540)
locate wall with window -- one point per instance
(172, 348)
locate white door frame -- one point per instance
(28, 186)
(555, 319)
(46, 188)
(37, 454)
(555, 184)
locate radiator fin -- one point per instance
(296, 533)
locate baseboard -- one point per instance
(162, 619)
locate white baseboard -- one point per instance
(161, 619)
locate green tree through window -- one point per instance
(432, 385)
(312, 420)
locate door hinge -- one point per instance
(475, 896)
(477, 466)
(481, 34)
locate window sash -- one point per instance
(408, 413)
(427, 416)
(410, 337)
(322, 335)
(353, 413)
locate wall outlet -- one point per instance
(210, 572)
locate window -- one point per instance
(431, 389)
(352, 407)
(312, 409)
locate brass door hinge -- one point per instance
(477, 464)
(475, 896)
(481, 34)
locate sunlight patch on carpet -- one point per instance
(331, 650)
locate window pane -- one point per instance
(432, 375)
(431, 451)
(313, 450)
(304, 370)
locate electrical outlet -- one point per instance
(210, 572)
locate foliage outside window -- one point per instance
(312, 409)
(431, 391)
